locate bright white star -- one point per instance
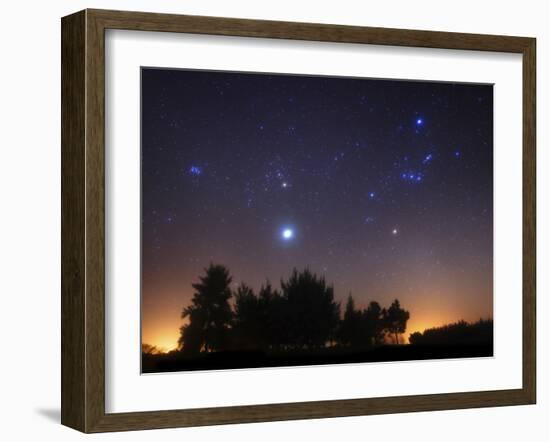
(288, 234)
(394, 232)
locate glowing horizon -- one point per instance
(162, 330)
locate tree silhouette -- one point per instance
(373, 323)
(191, 338)
(396, 320)
(300, 323)
(149, 349)
(302, 316)
(310, 312)
(273, 317)
(458, 333)
(247, 324)
(209, 313)
(349, 333)
(362, 328)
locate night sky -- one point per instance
(384, 187)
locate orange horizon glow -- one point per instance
(432, 302)
(163, 332)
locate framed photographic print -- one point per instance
(268, 220)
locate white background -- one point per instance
(128, 391)
(30, 221)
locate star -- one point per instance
(195, 170)
(287, 234)
(412, 177)
(419, 121)
(394, 232)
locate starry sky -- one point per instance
(385, 187)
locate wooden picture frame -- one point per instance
(83, 220)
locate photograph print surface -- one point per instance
(295, 220)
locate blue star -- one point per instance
(419, 121)
(412, 177)
(372, 195)
(427, 159)
(195, 170)
(457, 154)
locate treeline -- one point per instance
(458, 333)
(301, 315)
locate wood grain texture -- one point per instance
(95, 222)
(83, 219)
(144, 21)
(73, 128)
(529, 221)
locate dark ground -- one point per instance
(252, 359)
